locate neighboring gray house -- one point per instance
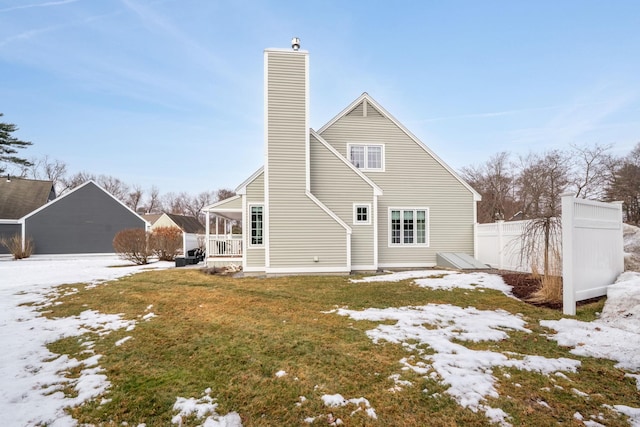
(18, 197)
(361, 193)
(83, 221)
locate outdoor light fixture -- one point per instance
(295, 43)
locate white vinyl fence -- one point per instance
(592, 248)
(500, 245)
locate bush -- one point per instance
(14, 245)
(132, 244)
(166, 242)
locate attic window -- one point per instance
(368, 157)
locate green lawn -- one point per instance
(234, 335)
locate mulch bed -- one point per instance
(524, 285)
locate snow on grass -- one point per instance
(444, 279)
(467, 373)
(31, 377)
(281, 374)
(596, 339)
(203, 407)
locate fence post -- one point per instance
(568, 289)
(499, 230)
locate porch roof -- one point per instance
(230, 208)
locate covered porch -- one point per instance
(224, 245)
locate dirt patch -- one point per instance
(523, 285)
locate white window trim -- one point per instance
(366, 158)
(409, 245)
(355, 213)
(249, 237)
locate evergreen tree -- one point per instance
(9, 145)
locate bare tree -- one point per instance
(154, 204)
(541, 181)
(624, 184)
(224, 193)
(495, 182)
(79, 178)
(590, 172)
(134, 198)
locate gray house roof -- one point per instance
(19, 196)
(188, 224)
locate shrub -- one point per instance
(166, 242)
(14, 246)
(132, 244)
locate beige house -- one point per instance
(362, 193)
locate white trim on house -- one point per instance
(366, 156)
(365, 97)
(377, 191)
(411, 265)
(409, 245)
(355, 213)
(329, 212)
(249, 231)
(364, 268)
(242, 188)
(267, 251)
(306, 270)
(10, 221)
(307, 139)
(375, 231)
(220, 203)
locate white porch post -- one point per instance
(206, 233)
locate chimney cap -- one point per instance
(295, 43)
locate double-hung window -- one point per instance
(409, 226)
(367, 156)
(257, 225)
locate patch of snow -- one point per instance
(595, 339)
(32, 377)
(201, 408)
(468, 373)
(148, 316)
(632, 413)
(622, 308)
(280, 374)
(402, 275)
(123, 340)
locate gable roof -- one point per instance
(88, 183)
(378, 109)
(151, 218)
(19, 196)
(188, 224)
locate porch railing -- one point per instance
(225, 246)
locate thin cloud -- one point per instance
(499, 113)
(29, 6)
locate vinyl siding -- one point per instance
(255, 195)
(412, 178)
(7, 231)
(230, 203)
(298, 229)
(83, 221)
(164, 221)
(338, 187)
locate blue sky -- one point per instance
(169, 93)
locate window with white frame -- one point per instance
(366, 156)
(409, 226)
(257, 225)
(361, 213)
